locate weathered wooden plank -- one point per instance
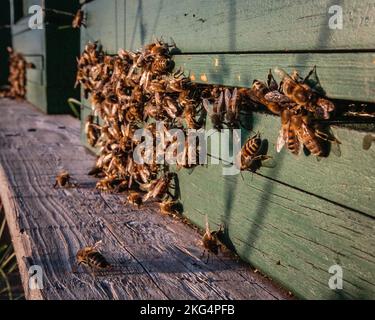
(48, 226)
(286, 233)
(250, 25)
(348, 76)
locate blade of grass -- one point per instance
(7, 284)
(72, 104)
(3, 265)
(13, 267)
(2, 228)
(6, 254)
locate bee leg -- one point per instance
(326, 137)
(309, 74)
(208, 258)
(202, 255)
(55, 185)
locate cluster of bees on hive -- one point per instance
(17, 76)
(133, 89)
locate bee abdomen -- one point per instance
(96, 260)
(252, 148)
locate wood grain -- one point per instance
(249, 25)
(48, 226)
(347, 76)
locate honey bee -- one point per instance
(216, 111)
(232, 109)
(91, 257)
(250, 155)
(158, 188)
(169, 207)
(162, 65)
(303, 95)
(92, 130)
(297, 132)
(288, 134)
(210, 241)
(269, 96)
(79, 20)
(135, 199)
(189, 117)
(63, 180)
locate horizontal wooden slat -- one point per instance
(349, 76)
(250, 25)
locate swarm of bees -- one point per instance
(134, 89)
(17, 76)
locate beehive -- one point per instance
(296, 220)
(52, 50)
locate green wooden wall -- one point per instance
(53, 50)
(299, 218)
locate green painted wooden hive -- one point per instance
(53, 51)
(296, 220)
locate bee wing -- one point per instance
(234, 99)
(271, 82)
(219, 107)
(227, 97)
(282, 74)
(280, 141)
(208, 106)
(276, 96)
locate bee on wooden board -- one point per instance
(250, 155)
(303, 95)
(92, 130)
(91, 257)
(135, 199)
(63, 180)
(210, 241)
(169, 207)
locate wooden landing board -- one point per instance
(154, 257)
